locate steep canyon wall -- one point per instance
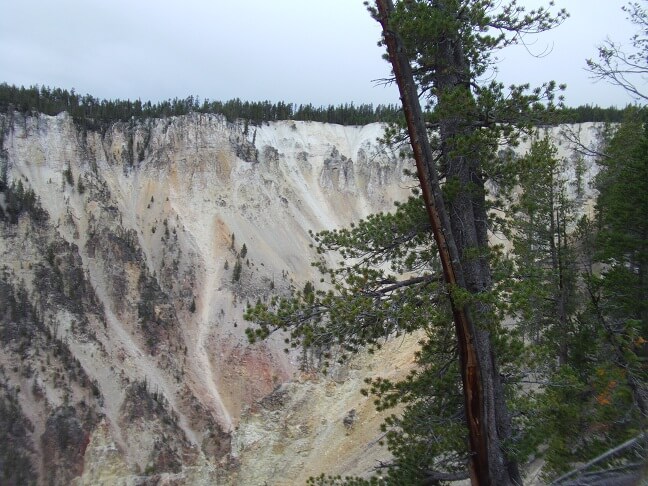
(124, 358)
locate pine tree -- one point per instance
(236, 273)
(622, 206)
(619, 294)
(606, 368)
(544, 257)
(439, 276)
(595, 398)
(449, 68)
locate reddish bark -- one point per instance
(484, 421)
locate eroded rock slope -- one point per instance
(123, 347)
(123, 355)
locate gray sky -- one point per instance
(300, 51)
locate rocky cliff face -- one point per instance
(124, 354)
(124, 358)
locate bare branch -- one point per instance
(433, 477)
(627, 70)
(574, 139)
(407, 283)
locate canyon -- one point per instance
(124, 355)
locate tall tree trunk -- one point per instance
(456, 235)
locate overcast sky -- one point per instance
(301, 51)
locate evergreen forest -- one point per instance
(93, 113)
